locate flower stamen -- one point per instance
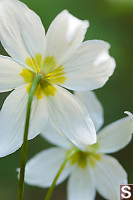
(52, 74)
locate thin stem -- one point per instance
(25, 142)
(51, 189)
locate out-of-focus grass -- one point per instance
(112, 22)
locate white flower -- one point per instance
(64, 60)
(87, 171)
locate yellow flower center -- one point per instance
(50, 72)
(82, 158)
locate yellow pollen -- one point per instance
(52, 75)
(34, 62)
(81, 158)
(93, 159)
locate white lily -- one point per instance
(87, 171)
(64, 61)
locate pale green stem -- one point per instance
(51, 189)
(25, 142)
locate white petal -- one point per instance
(93, 106)
(39, 117)
(9, 74)
(12, 120)
(109, 174)
(90, 67)
(65, 35)
(90, 51)
(21, 30)
(54, 136)
(116, 135)
(81, 185)
(42, 168)
(71, 118)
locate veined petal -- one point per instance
(116, 135)
(12, 120)
(90, 67)
(43, 167)
(109, 174)
(93, 106)
(81, 185)
(39, 117)
(90, 51)
(71, 118)
(65, 35)
(9, 74)
(54, 136)
(21, 30)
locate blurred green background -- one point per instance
(112, 21)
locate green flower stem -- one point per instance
(50, 191)
(25, 142)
